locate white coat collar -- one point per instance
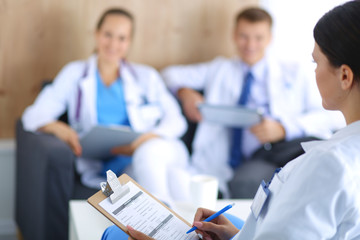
(259, 70)
(131, 85)
(351, 129)
(269, 68)
(88, 84)
(127, 74)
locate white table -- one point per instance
(86, 223)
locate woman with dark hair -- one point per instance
(108, 90)
(317, 195)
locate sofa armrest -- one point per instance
(44, 183)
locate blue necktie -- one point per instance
(235, 154)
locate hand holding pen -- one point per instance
(218, 227)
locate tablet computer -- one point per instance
(99, 141)
(230, 116)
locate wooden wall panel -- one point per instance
(38, 37)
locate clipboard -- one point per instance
(230, 116)
(99, 141)
(98, 197)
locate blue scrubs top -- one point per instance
(111, 110)
(110, 103)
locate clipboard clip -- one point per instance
(112, 187)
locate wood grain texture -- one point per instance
(38, 37)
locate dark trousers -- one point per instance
(262, 164)
(45, 183)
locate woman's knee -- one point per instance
(160, 151)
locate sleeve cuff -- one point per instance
(236, 236)
(292, 129)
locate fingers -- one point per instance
(223, 229)
(260, 133)
(137, 235)
(74, 143)
(268, 130)
(190, 99)
(129, 149)
(142, 139)
(202, 213)
(193, 113)
(65, 133)
(256, 129)
(210, 227)
(122, 150)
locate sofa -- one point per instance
(45, 183)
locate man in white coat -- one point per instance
(241, 158)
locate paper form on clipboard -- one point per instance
(144, 213)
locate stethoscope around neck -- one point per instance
(123, 63)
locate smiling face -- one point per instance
(328, 81)
(113, 38)
(252, 39)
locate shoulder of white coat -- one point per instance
(287, 66)
(75, 65)
(347, 156)
(142, 68)
(73, 70)
(343, 156)
(222, 66)
(223, 61)
(214, 63)
(293, 72)
(346, 159)
(347, 150)
(144, 72)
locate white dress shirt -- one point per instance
(258, 99)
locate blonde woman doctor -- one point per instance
(108, 90)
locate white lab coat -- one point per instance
(316, 196)
(293, 98)
(150, 107)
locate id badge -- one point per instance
(260, 199)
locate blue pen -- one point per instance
(215, 215)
